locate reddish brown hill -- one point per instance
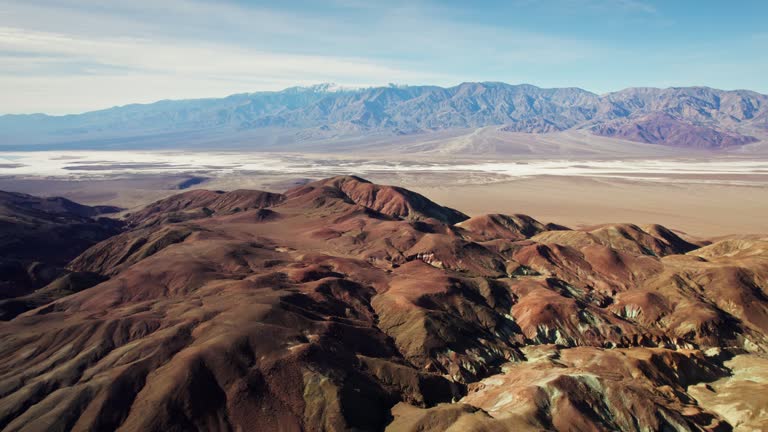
(581, 389)
(201, 203)
(389, 200)
(499, 226)
(352, 306)
(653, 240)
(69, 283)
(20, 205)
(38, 236)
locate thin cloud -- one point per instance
(639, 6)
(89, 73)
(601, 7)
(182, 57)
(206, 45)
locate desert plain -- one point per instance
(703, 196)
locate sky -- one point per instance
(71, 56)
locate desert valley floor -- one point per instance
(704, 196)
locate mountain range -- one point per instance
(344, 305)
(689, 117)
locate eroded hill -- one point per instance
(39, 236)
(344, 305)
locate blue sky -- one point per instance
(68, 56)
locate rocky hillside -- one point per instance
(697, 117)
(39, 236)
(345, 305)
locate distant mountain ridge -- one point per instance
(699, 117)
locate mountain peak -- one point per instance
(389, 200)
(327, 87)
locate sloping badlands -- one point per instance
(344, 305)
